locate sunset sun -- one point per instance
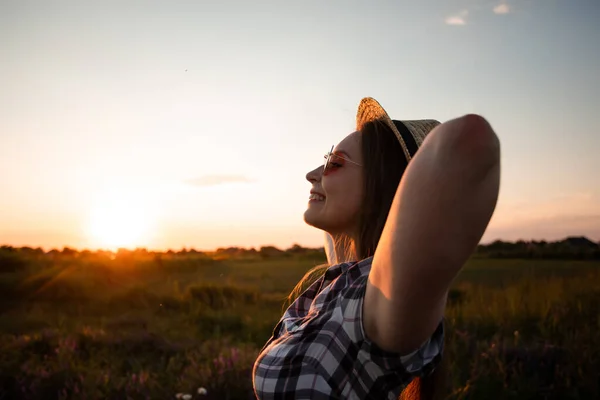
(120, 219)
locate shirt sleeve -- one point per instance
(420, 362)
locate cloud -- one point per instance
(458, 19)
(214, 180)
(502, 8)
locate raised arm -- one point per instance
(439, 214)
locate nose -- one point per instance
(315, 175)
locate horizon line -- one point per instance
(47, 249)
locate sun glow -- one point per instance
(121, 219)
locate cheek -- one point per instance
(344, 195)
(352, 204)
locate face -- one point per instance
(336, 193)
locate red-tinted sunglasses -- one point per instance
(335, 161)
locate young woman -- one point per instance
(400, 225)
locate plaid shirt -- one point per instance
(319, 349)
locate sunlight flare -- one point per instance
(121, 218)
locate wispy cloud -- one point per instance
(458, 19)
(502, 8)
(461, 18)
(214, 180)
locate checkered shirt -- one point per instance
(319, 349)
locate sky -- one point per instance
(172, 124)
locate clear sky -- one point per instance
(170, 124)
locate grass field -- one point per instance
(95, 326)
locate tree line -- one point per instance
(573, 248)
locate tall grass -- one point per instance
(100, 327)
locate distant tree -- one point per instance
(141, 251)
(67, 251)
(31, 253)
(11, 260)
(296, 249)
(270, 252)
(229, 251)
(53, 253)
(85, 253)
(581, 242)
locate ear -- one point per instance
(330, 249)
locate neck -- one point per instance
(343, 248)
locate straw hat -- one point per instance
(410, 133)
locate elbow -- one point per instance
(478, 142)
(471, 140)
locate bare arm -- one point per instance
(439, 214)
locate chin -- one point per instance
(311, 218)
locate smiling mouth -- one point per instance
(316, 197)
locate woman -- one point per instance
(401, 224)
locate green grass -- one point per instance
(89, 326)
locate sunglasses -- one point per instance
(335, 161)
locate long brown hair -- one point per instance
(384, 165)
